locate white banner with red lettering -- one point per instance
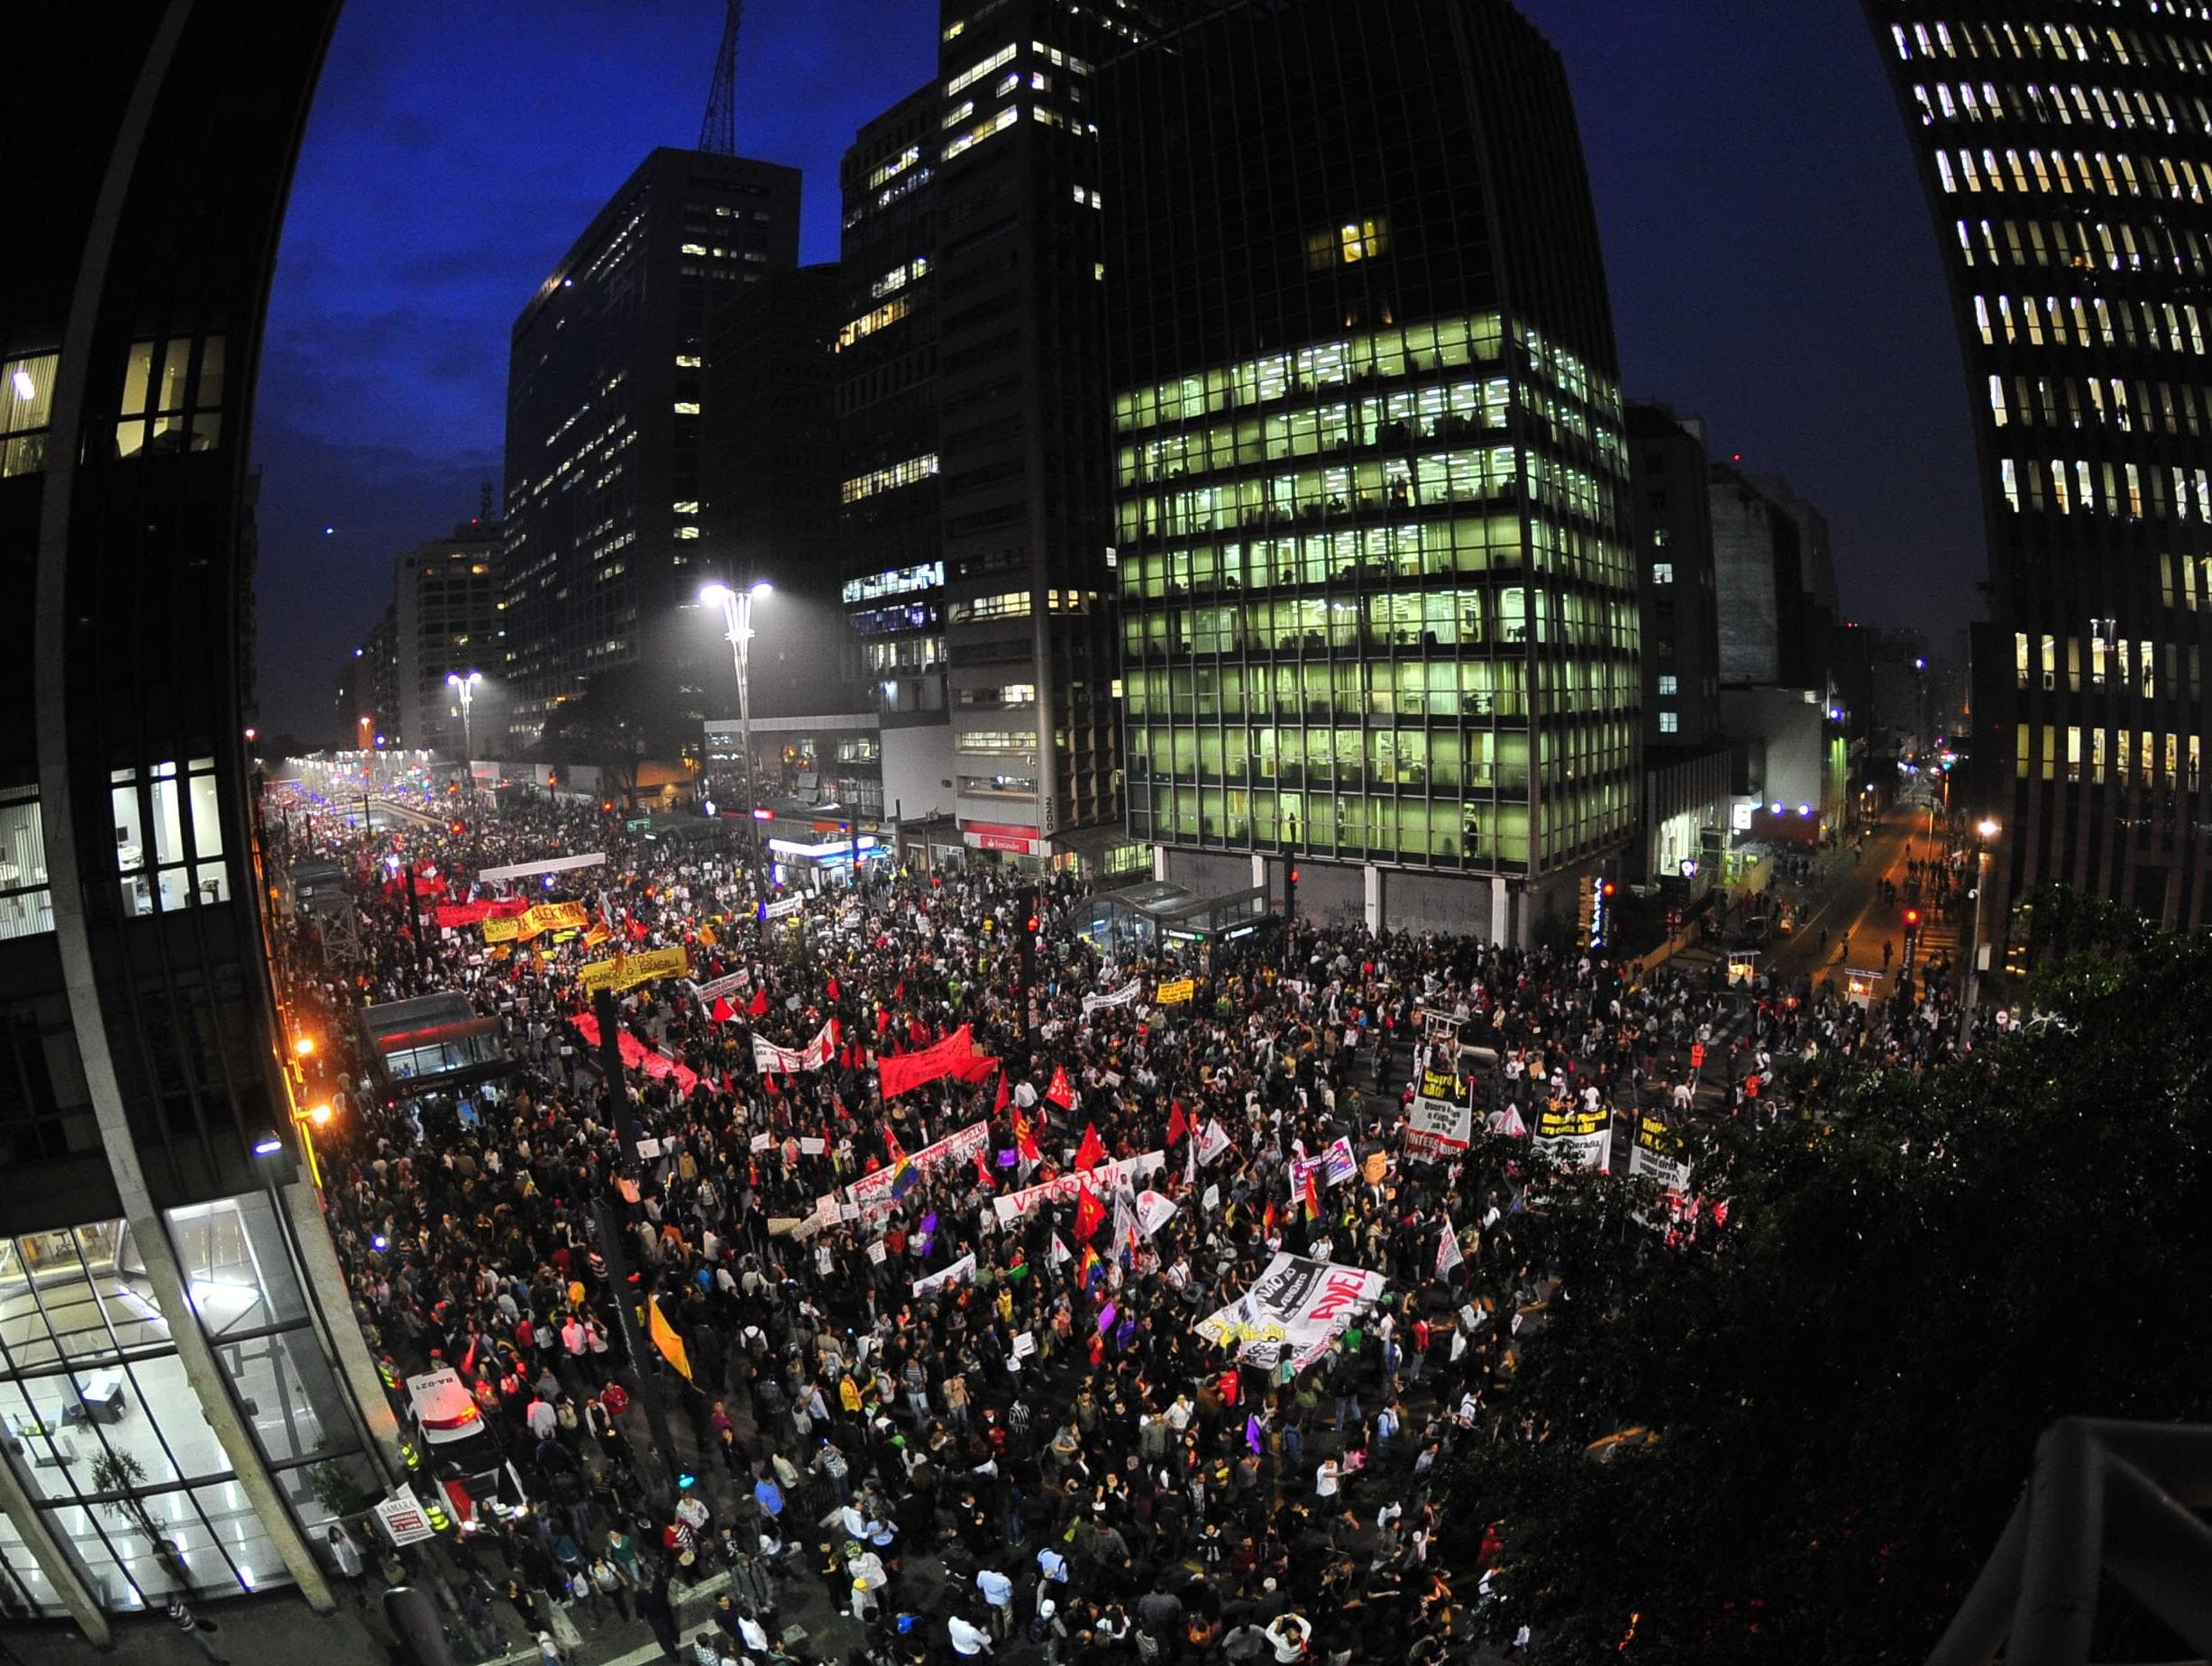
(1298, 1304)
(875, 1188)
(768, 1056)
(1106, 1178)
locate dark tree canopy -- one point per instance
(1848, 1380)
(625, 715)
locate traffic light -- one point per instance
(1290, 893)
(1608, 888)
(1912, 920)
(457, 829)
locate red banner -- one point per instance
(476, 914)
(637, 1056)
(951, 1056)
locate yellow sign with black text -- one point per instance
(544, 917)
(628, 971)
(1175, 992)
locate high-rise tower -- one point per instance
(2064, 151)
(1379, 614)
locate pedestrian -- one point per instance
(346, 1559)
(196, 1629)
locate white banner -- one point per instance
(1506, 1121)
(875, 1188)
(1211, 1142)
(1122, 996)
(1577, 1138)
(962, 1271)
(1299, 1303)
(1153, 1212)
(782, 909)
(714, 987)
(552, 864)
(1657, 1153)
(767, 1056)
(1104, 1178)
(1447, 1252)
(1340, 1164)
(403, 1518)
(1440, 1128)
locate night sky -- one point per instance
(1770, 254)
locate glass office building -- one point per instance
(170, 1374)
(1379, 611)
(2064, 148)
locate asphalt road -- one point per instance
(1847, 902)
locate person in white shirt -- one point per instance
(1288, 1633)
(970, 1641)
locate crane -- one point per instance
(718, 133)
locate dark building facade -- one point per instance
(768, 473)
(447, 621)
(1379, 610)
(1673, 520)
(889, 518)
(163, 1348)
(606, 415)
(2062, 148)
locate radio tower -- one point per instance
(718, 132)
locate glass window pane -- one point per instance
(134, 374)
(239, 1533)
(91, 1532)
(130, 837)
(168, 828)
(236, 1264)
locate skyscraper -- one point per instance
(1379, 614)
(973, 390)
(447, 621)
(2063, 149)
(605, 550)
(165, 1333)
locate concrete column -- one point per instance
(1159, 863)
(1371, 894)
(1501, 910)
(1259, 868)
(342, 1342)
(56, 1560)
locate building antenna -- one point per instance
(717, 134)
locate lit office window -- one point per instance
(168, 837)
(26, 406)
(171, 405)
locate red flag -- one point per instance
(1176, 1127)
(768, 1080)
(1093, 1151)
(891, 1146)
(723, 1012)
(1313, 1198)
(999, 1104)
(758, 1006)
(833, 989)
(982, 1169)
(1089, 1215)
(1025, 1138)
(1060, 1093)
(1267, 1222)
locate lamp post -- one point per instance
(737, 607)
(466, 688)
(1985, 834)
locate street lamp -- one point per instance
(1984, 835)
(737, 627)
(466, 688)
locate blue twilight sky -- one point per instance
(1771, 261)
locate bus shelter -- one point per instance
(1147, 918)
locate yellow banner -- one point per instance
(665, 1339)
(544, 917)
(1174, 992)
(628, 971)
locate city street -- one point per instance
(1847, 905)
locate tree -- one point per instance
(1847, 1380)
(625, 715)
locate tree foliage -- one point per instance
(625, 715)
(1848, 1380)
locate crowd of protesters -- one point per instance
(980, 1434)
